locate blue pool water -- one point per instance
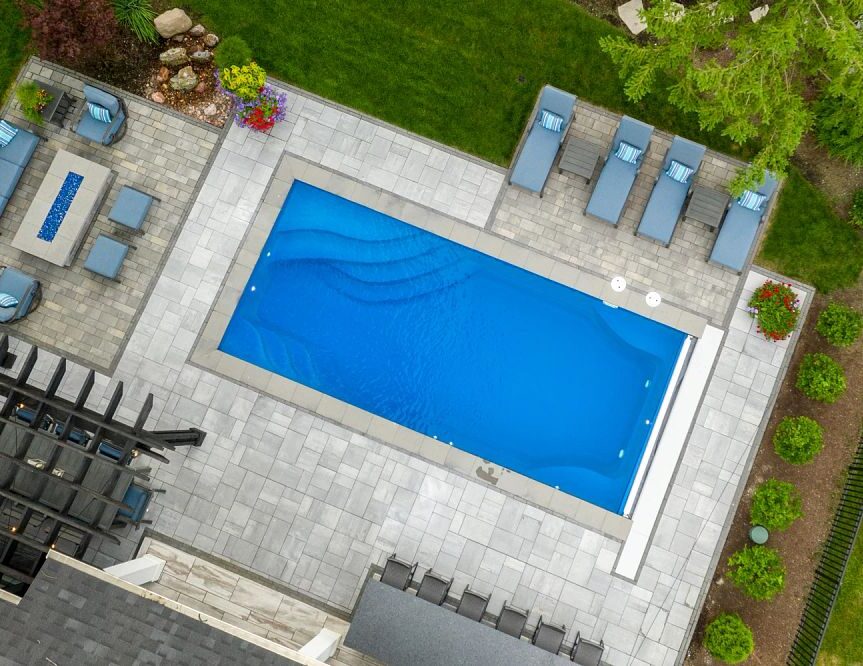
(509, 366)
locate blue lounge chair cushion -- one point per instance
(21, 286)
(627, 153)
(550, 121)
(536, 158)
(7, 133)
(131, 208)
(137, 498)
(20, 149)
(106, 257)
(679, 172)
(616, 178)
(665, 204)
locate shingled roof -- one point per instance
(72, 617)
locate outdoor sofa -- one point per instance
(671, 189)
(23, 288)
(14, 158)
(534, 161)
(618, 174)
(739, 228)
(101, 131)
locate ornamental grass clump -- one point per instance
(821, 378)
(776, 307)
(775, 505)
(137, 15)
(840, 324)
(729, 639)
(758, 571)
(798, 439)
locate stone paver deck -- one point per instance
(163, 154)
(556, 224)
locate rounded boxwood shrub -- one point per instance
(775, 505)
(798, 439)
(758, 571)
(776, 307)
(840, 324)
(821, 378)
(232, 52)
(729, 639)
(855, 217)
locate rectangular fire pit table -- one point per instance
(63, 208)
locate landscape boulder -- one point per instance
(158, 97)
(197, 31)
(202, 57)
(175, 57)
(185, 80)
(210, 40)
(172, 22)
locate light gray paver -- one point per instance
(275, 487)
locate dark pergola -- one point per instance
(65, 468)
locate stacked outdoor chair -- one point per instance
(17, 146)
(549, 637)
(103, 117)
(740, 227)
(434, 588)
(20, 293)
(398, 573)
(622, 165)
(511, 620)
(550, 122)
(671, 189)
(472, 604)
(586, 652)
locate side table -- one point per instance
(57, 108)
(579, 157)
(706, 206)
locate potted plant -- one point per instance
(33, 101)
(776, 307)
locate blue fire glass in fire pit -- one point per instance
(60, 207)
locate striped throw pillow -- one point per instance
(8, 301)
(7, 133)
(551, 121)
(679, 172)
(751, 200)
(100, 113)
(627, 152)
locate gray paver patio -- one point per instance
(311, 504)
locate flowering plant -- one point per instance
(264, 112)
(244, 81)
(776, 307)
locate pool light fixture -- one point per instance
(618, 284)
(653, 299)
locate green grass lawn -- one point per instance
(808, 241)
(843, 643)
(464, 73)
(13, 42)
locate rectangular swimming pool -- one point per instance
(509, 366)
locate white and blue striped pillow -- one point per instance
(752, 200)
(7, 133)
(8, 301)
(627, 152)
(100, 113)
(551, 121)
(679, 172)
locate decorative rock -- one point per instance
(210, 40)
(158, 97)
(210, 110)
(185, 80)
(202, 57)
(630, 14)
(173, 22)
(197, 31)
(201, 88)
(163, 75)
(178, 38)
(174, 57)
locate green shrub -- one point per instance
(137, 15)
(798, 440)
(821, 378)
(758, 571)
(729, 639)
(840, 324)
(232, 52)
(32, 100)
(855, 216)
(776, 306)
(839, 127)
(245, 82)
(775, 505)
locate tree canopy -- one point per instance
(761, 82)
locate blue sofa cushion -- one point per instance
(550, 121)
(7, 133)
(102, 98)
(106, 257)
(679, 172)
(627, 152)
(10, 174)
(131, 208)
(20, 149)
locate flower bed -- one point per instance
(776, 307)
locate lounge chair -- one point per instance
(14, 158)
(586, 652)
(105, 130)
(25, 290)
(472, 604)
(533, 163)
(434, 588)
(737, 232)
(398, 573)
(670, 190)
(511, 621)
(549, 637)
(131, 208)
(106, 257)
(618, 175)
